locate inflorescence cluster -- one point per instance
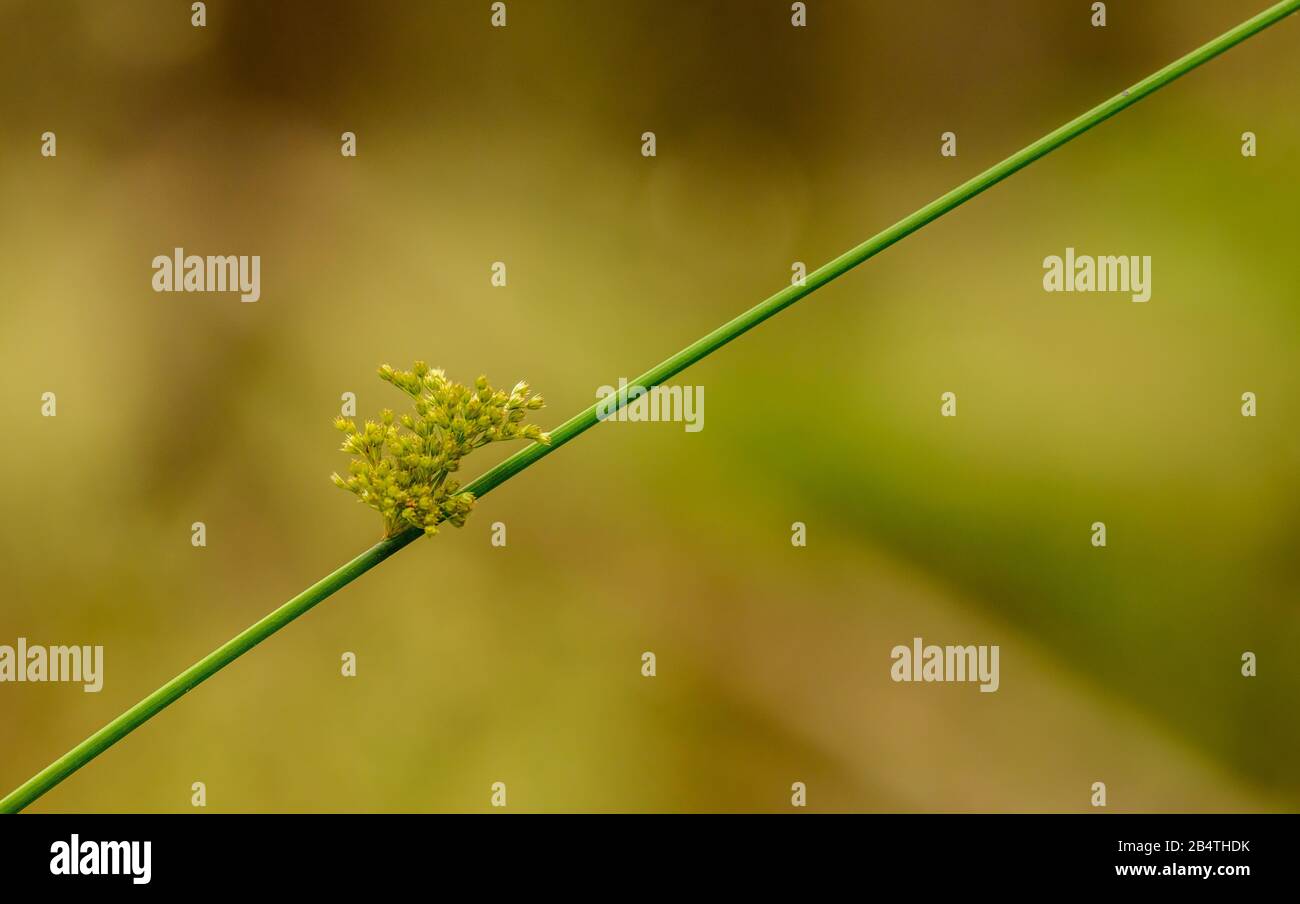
(402, 465)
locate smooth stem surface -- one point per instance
(665, 370)
(209, 665)
(205, 668)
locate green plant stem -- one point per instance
(209, 665)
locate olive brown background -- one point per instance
(775, 144)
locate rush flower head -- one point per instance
(401, 465)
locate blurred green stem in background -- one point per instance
(209, 665)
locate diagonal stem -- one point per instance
(209, 665)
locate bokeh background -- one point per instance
(775, 144)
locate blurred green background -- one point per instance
(775, 144)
